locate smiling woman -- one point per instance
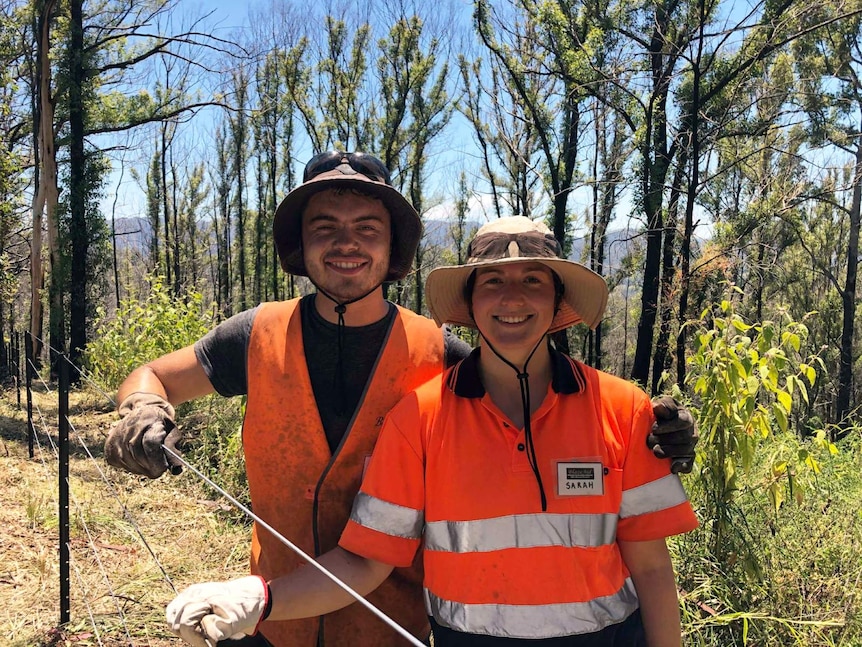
(513, 306)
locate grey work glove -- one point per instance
(215, 611)
(135, 443)
(673, 434)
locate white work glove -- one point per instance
(217, 611)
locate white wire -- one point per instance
(389, 621)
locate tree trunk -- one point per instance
(175, 218)
(46, 192)
(656, 160)
(848, 302)
(652, 264)
(661, 358)
(166, 211)
(77, 191)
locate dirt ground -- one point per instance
(133, 541)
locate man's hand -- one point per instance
(673, 434)
(135, 443)
(204, 614)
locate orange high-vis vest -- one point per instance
(298, 486)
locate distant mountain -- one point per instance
(132, 233)
(135, 233)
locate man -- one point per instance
(320, 373)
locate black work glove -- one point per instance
(673, 434)
(135, 443)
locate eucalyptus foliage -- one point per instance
(144, 328)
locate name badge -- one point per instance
(580, 479)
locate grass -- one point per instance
(792, 577)
(118, 590)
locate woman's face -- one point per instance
(513, 305)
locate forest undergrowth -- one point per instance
(791, 577)
(133, 540)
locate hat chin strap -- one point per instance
(524, 383)
(341, 308)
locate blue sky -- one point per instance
(229, 14)
(124, 196)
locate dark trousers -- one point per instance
(628, 633)
(249, 641)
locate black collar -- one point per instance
(463, 378)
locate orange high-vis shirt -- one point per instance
(451, 471)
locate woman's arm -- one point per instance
(204, 614)
(307, 592)
(652, 573)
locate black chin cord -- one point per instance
(524, 383)
(340, 385)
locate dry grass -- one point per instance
(118, 590)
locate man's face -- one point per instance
(345, 242)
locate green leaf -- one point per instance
(785, 399)
(792, 339)
(780, 416)
(740, 325)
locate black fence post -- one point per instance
(63, 426)
(18, 368)
(28, 372)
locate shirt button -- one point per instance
(521, 447)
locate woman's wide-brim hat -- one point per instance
(516, 240)
(405, 221)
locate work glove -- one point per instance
(673, 434)
(215, 611)
(135, 443)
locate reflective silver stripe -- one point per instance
(534, 621)
(662, 494)
(521, 531)
(388, 518)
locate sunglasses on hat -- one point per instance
(498, 245)
(368, 165)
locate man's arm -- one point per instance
(145, 404)
(673, 435)
(177, 377)
(652, 573)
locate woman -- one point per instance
(523, 475)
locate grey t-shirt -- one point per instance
(223, 354)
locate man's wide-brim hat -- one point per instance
(405, 222)
(517, 240)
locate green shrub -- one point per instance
(142, 330)
(773, 560)
(808, 577)
(214, 445)
(147, 328)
